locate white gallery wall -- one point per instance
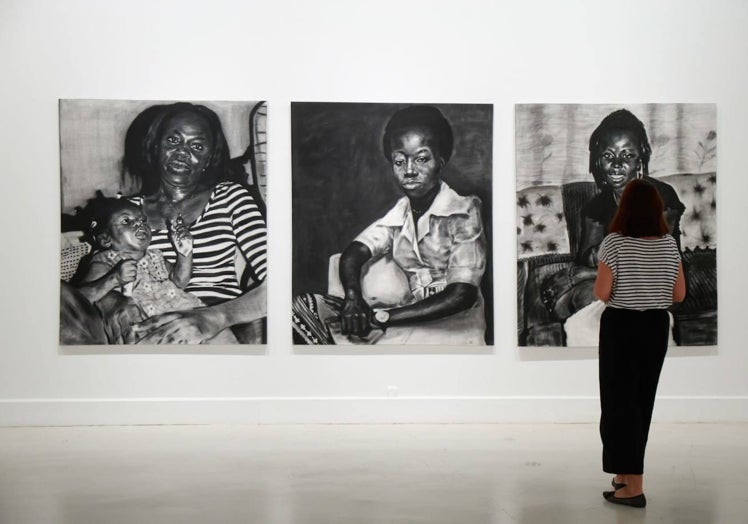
(585, 51)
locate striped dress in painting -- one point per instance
(230, 219)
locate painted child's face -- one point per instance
(619, 158)
(415, 163)
(128, 230)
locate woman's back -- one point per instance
(644, 270)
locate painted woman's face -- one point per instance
(184, 149)
(415, 163)
(619, 159)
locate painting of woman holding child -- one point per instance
(163, 263)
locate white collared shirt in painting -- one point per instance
(449, 246)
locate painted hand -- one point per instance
(180, 327)
(180, 236)
(568, 290)
(356, 316)
(120, 313)
(125, 271)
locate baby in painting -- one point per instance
(123, 262)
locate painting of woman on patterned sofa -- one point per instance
(573, 162)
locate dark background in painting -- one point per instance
(342, 181)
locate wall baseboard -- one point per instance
(349, 410)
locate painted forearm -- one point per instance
(603, 283)
(592, 235)
(252, 305)
(182, 271)
(351, 261)
(95, 290)
(454, 298)
(679, 289)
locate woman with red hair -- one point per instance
(639, 276)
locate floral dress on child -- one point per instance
(152, 289)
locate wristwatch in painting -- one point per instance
(382, 316)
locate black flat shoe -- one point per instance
(639, 501)
(617, 485)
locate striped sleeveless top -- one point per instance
(644, 270)
(230, 219)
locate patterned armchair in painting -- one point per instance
(549, 228)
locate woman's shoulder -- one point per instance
(653, 243)
(453, 202)
(226, 185)
(668, 193)
(230, 190)
(612, 239)
(600, 207)
(667, 238)
(660, 184)
(670, 240)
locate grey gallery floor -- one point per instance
(310, 474)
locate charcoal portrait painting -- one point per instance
(163, 222)
(392, 224)
(573, 163)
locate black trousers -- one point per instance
(632, 350)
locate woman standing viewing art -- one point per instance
(639, 276)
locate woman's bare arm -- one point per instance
(352, 260)
(603, 282)
(179, 235)
(455, 298)
(181, 271)
(356, 315)
(101, 279)
(679, 289)
(591, 236)
(251, 306)
(198, 325)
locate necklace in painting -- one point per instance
(177, 206)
